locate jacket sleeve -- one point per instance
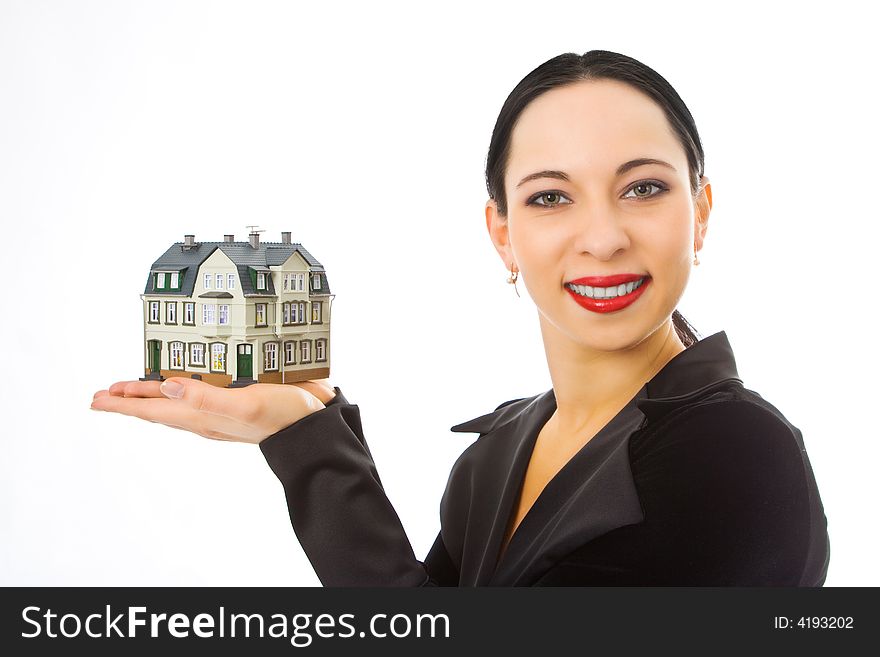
(345, 523)
(727, 499)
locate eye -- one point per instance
(642, 189)
(552, 198)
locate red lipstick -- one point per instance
(614, 303)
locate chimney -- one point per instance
(285, 237)
(229, 239)
(255, 240)
(189, 240)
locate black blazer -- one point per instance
(698, 481)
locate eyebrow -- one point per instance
(622, 169)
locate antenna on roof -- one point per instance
(254, 229)
(254, 236)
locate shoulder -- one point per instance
(737, 424)
(735, 454)
(725, 489)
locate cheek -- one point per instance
(671, 238)
(668, 250)
(534, 246)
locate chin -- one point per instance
(615, 339)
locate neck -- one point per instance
(592, 385)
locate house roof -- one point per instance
(187, 260)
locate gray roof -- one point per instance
(187, 260)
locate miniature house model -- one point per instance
(235, 313)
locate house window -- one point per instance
(218, 357)
(219, 281)
(305, 355)
(175, 279)
(302, 312)
(175, 355)
(286, 309)
(160, 280)
(316, 281)
(261, 281)
(154, 312)
(289, 352)
(197, 354)
(294, 313)
(208, 279)
(224, 313)
(189, 313)
(209, 311)
(270, 353)
(261, 314)
(286, 276)
(171, 312)
(316, 312)
(300, 282)
(321, 350)
(230, 281)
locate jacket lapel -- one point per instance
(594, 492)
(695, 372)
(497, 463)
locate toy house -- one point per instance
(235, 313)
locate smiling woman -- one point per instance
(648, 463)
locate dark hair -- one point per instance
(569, 68)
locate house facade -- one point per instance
(235, 313)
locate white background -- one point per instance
(363, 129)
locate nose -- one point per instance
(599, 231)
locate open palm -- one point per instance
(248, 414)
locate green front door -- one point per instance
(245, 361)
(154, 351)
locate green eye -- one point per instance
(552, 198)
(642, 189)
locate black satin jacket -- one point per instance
(698, 481)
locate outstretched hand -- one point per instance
(248, 414)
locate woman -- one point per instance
(648, 463)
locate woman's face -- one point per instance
(580, 208)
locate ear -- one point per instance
(701, 212)
(498, 233)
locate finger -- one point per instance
(177, 415)
(135, 389)
(162, 411)
(142, 389)
(118, 387)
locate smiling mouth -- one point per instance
(610, 292)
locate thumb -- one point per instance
(172, 388)
(197, 394)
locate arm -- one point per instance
(338, 507)
(314, 443)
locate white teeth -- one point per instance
(607, 292)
